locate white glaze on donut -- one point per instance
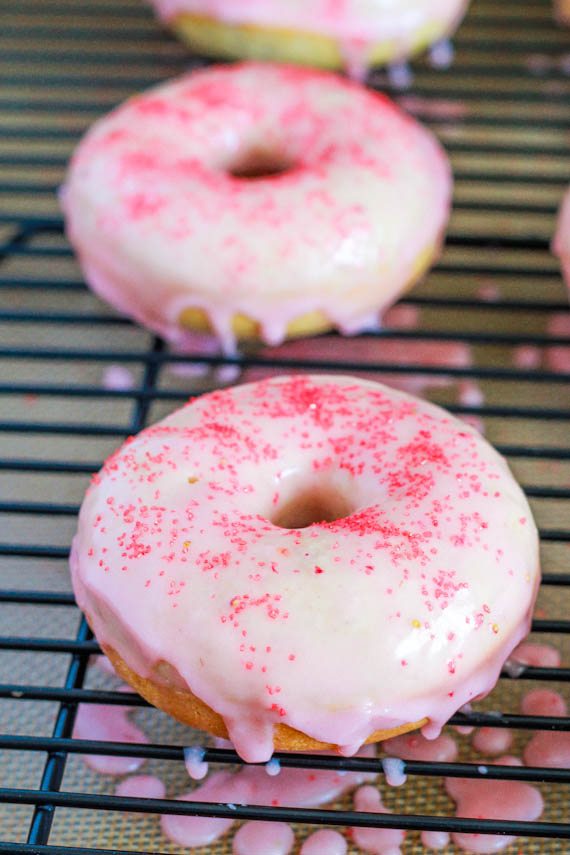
(160, 223)
(356, 24)
(182, 556)
(561, 241)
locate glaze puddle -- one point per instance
(263, 838)
(141, 787)
(492, 741)
(548, 748)
(252, 785)
(416, 747)
(324, 842)
(491, 799)
(376, 841)
(536, 655)
(109, 724)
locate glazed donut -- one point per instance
(561, 241)
(353, 34)
(256, 201)
(305, 562)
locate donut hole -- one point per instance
(312, 505)
(260, 163)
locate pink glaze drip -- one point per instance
(141, 787)
(421, 500)
(376, 841)
(355, 24)
(414, 746)
(252, 785)
(324, 842)
(194, 762)
(161, 224)
(109, 724)
(491, 799)
(263, 838)
(558, 356)
(393, 768)
(536, 655)
(492, 741)
(435, 839)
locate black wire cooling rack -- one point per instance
(503, 112)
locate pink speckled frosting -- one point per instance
(160, 224)
(431, 561)
(360, 22)
(561, 241)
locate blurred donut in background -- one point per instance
(349, 34)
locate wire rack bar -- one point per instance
(305, 761)
(284, 814)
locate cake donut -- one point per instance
(561, 241)
(307, 562)
(258, 201)
(353, 34)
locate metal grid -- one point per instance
(503, 112)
